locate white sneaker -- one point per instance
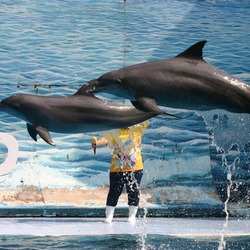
(109, 214)
(132, 213)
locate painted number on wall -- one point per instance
(12, 145)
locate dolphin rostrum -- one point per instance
(73, 114)
(185, 82)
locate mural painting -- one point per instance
(196, 163)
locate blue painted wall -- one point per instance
(51, 48)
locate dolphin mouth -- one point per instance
(94, 85)
(89, 87)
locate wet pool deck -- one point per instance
(181, 227)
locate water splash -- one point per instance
(230, 168)
(143, 235)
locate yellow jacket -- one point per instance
(126, 145)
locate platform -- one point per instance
(94, 226)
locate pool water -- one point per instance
(128, 242)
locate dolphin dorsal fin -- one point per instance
(87, 88)
(194, 52)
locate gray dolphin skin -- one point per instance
(73, 114)
(184, 82)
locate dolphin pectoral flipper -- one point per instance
(148, 104)
(43, 132)
(32, 131)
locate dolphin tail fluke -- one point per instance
(43, 132)
(147, 104)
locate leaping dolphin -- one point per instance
(186, 82)
(73, 114)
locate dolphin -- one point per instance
(73, 114)
(184, 82)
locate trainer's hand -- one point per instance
(94, 142)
